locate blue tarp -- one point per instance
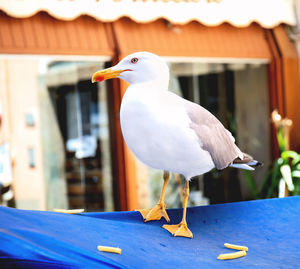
(40, 239)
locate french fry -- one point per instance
(228, 256)
(109, 249)
(237, 247)
(69, 211)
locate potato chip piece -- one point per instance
(69, 211)
(234, 255)
(237, 247)
(109, 249)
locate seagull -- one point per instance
(168, 132)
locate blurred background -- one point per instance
(60, 140)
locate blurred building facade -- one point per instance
(238, 61)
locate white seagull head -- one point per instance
(138, 67)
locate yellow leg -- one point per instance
(181, 229)
(159, 210)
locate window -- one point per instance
(82, 117)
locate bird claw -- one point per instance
(155, 213)
(180, 229)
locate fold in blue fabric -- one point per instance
(41, 239)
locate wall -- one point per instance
(19, 96)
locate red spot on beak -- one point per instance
(99, 78)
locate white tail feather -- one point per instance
(242, 166)
(254, 162)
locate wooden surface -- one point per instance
(291, 83)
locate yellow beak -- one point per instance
(106, 74)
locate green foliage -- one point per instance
(287, 168)
(281, 139)
(285, 171)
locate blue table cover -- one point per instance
(39, 239)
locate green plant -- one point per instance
(284, 172)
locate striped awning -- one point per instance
(240, 13)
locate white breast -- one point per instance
(156, 128)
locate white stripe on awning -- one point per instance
(240, 13)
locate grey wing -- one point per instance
(213, 136)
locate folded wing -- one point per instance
(213, 136)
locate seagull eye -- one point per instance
(134, 60)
